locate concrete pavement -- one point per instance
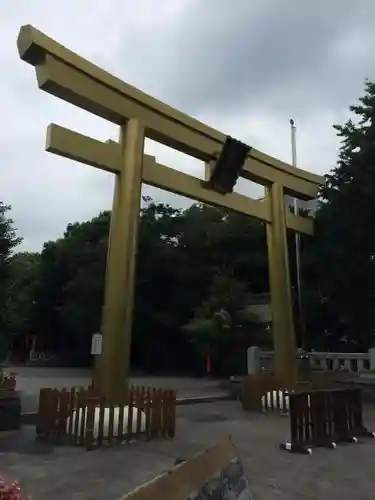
(63, 473)
(31, 379)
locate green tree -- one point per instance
(180, 255)
(8, 242)
(23, 274)
(69, 295)
(342, 258)
(83, 251)
(163, 298)
(8, 236)
(224, 327)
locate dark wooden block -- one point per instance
(10, 410)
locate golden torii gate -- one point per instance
(70, 77)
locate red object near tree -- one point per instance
(208, 365)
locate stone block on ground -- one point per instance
(10, 410)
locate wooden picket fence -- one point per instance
(324, 418)
(263, 392)
(321, 412)
(79, 416)
(276, 400)
(256, 388)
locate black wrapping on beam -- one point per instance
(228, 166)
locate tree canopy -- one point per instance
(8, 242)
(342, 256)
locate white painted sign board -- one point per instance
(96, 344)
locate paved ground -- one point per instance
(31, 379)
(71, 473)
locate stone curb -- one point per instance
(203, 399)
(28, 418)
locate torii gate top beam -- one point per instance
(66, 75)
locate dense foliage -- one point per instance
(341, 261)
(190, 263)
(199, 269)
(8, 241)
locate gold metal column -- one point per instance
(281, 297)
(114, 362)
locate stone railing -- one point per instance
(41, 358)
(351, 362)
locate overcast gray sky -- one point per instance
(242, 66)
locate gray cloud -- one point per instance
(273, 54)
(243, 67)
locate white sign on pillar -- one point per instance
(371, 355)
(253, 360)
(96, 344)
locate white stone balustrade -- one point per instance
(352, 362)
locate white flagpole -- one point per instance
(293, 131)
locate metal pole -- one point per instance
(293, 131)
